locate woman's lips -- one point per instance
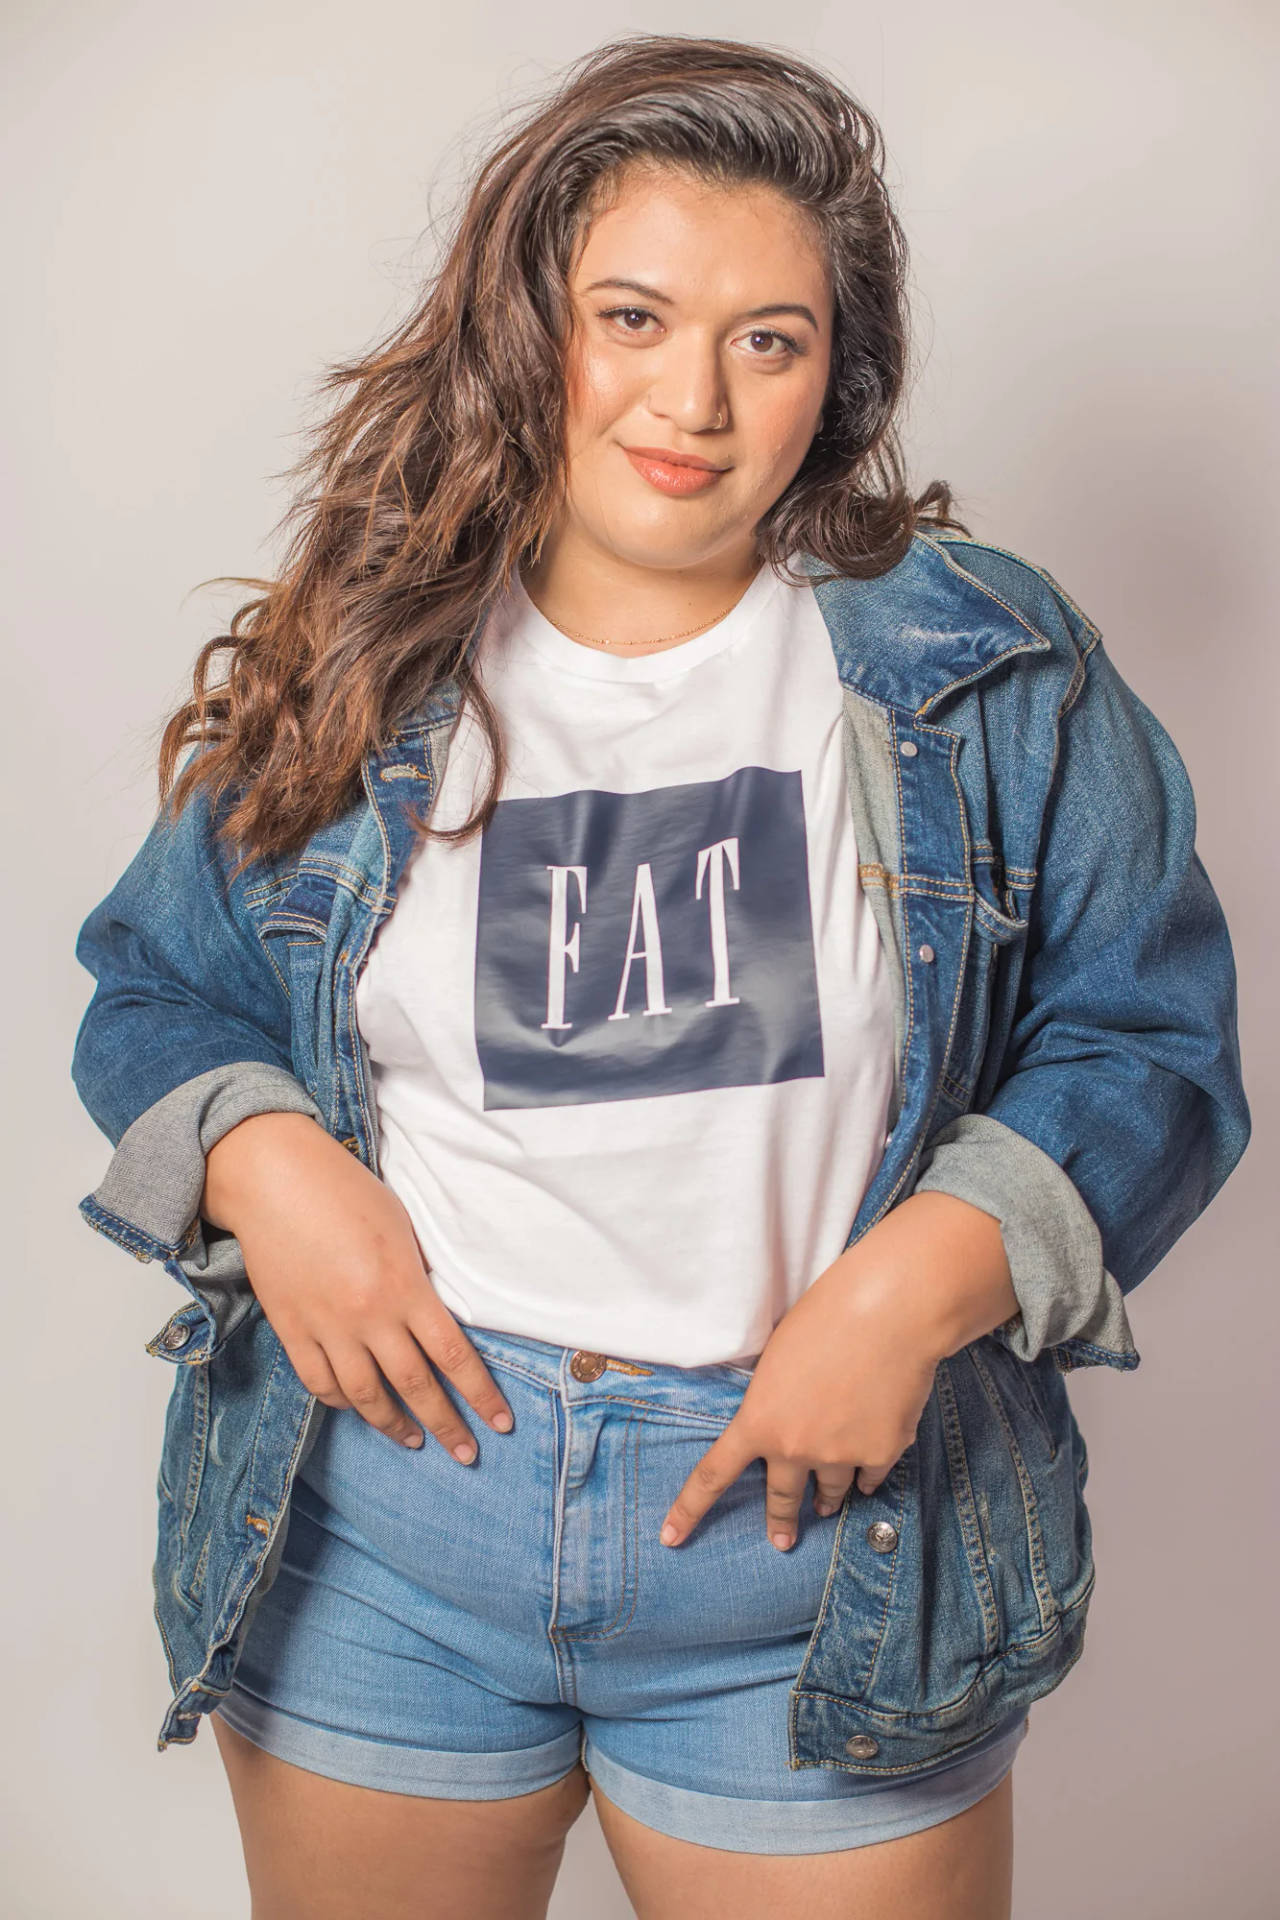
(668, 478)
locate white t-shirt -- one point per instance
(632, 1050)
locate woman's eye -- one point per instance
(627, 313)
(769, 334)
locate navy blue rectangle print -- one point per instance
(631, 944)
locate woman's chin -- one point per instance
(662, 544)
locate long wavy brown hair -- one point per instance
(442, 468)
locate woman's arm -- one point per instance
(187, 1032)
(183, 1059)
(183, 985)
(1118, 1109)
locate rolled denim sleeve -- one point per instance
(187, 1032)
(1052, 1243)
(155, 1177)
(149, 1197)
(1118, 1109)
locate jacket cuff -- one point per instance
(155, 1177)
(149, 1199)
(1068, 1303)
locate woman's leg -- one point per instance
(959, 1869)
(318, 1849)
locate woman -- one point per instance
(667, 955)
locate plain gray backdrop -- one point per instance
(207, 204)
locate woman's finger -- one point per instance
(411, 1373)
(783, 1495)
(358, 1377)
(831, 1489)
(446, 1342)
(868, 1478)
(310, 1363)
(717, 1469)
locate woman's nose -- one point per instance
(690, 392)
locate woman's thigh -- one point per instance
(320, 1849)
(958, 1869)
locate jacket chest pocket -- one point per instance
(295, 934)
(992, 966)
(308, 1000)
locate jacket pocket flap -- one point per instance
(997, 926)
(304, 908)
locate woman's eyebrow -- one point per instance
(664, 299)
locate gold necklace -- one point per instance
(659, 640)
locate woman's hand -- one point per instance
(844, 1377)
(334, 1261)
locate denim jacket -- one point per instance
(1066, 1058)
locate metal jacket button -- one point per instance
(862, 1746)
(925, 952)
(587, 1366)
(175, 1336)
(883, 1536)
(908, 749)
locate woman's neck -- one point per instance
(605, 600)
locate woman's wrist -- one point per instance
(941, 1262)
(235, 1164)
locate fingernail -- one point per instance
(668, 1535)
(782, 1540)
(502, 1421)
(413, 1439)
(465, 1453)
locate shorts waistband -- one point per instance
(581, 1374)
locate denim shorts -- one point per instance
(471, 1632)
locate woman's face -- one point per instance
(691, 301)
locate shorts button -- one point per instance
(175, 1336)
(925, 952)
(883, 1536)
(587, 1366)
(908, 749)
(862, 1746)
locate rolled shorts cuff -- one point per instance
(802, 1826)
(399, 1769)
